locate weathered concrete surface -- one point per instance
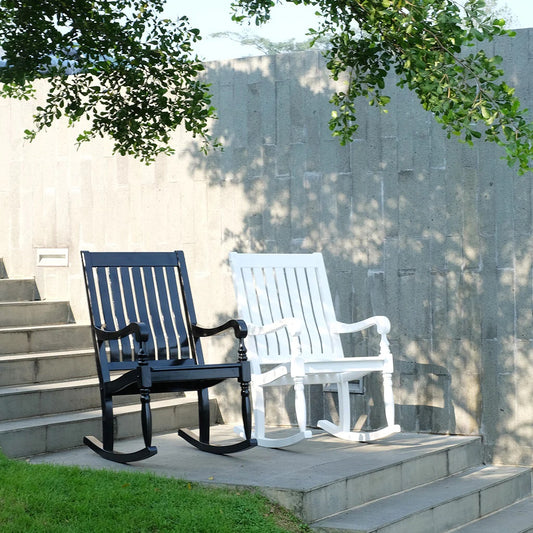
(434, 234)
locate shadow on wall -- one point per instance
(407, 222)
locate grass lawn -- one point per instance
(48, 498)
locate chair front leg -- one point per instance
(146, 417)
(246, 410)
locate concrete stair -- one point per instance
(49, 396)
(405, 483)
(411, 485)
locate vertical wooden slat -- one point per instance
(120, 318)
(105, 301)
(254, 314)
(293, 291)
(153, 309)
(179, 320)
(188, 308)
(318, 310)
(167, 322)
(264, 309)
(275, 309)
(129, 297)
(307, 306)
(142, 309)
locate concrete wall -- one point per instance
(436, 235)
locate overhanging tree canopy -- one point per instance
(131, 73)
(134, 75)
(425, 42)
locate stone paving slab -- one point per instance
(304, 466)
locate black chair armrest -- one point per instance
(139, 329)
(239, 329)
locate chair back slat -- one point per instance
(104, 301)
(154, 317)
(190, 316)
(119, 314)
(276, 310)
(274, 286)
(174, 295)
(140, 287)
(128, 294)
(141, 305)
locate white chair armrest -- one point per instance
(382, 324)
(293, 325)
(294, 330)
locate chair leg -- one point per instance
(343, 430)
(146, 417)
(107, 424)
(202, 442)
(106, 449)
(258, 400)
(203, 415)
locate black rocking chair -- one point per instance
(146, 341)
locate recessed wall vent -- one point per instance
(52, 257)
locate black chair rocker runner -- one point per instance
(147, 341)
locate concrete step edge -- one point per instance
(39, 312)
(48, 386)
(420, 505)
(46, 327)
(36, 436)
(55, 354)
(515, 518)
(18, 290)
(62, 418)
(33, 303)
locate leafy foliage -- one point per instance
(426, 43)
(116, 63)
(269, 47)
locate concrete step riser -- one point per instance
(46, 438)
(18, 290)
(18, 370)
(516, 518)
(445, 504)
(43, 339)
(26, 314)
(347, 492)
(43, 402)
(48, 402)
(468, 508)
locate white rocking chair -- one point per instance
(286, 302)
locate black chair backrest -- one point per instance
(125, 287)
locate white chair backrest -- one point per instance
(270, 287)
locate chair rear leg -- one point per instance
(343, 389)
(258, 400)
(108, 430)
(343, 430)
(388, 398)
(299, 404)
(202, 442)
(204, 415)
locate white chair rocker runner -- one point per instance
(286, 302)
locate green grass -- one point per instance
(48, 498)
